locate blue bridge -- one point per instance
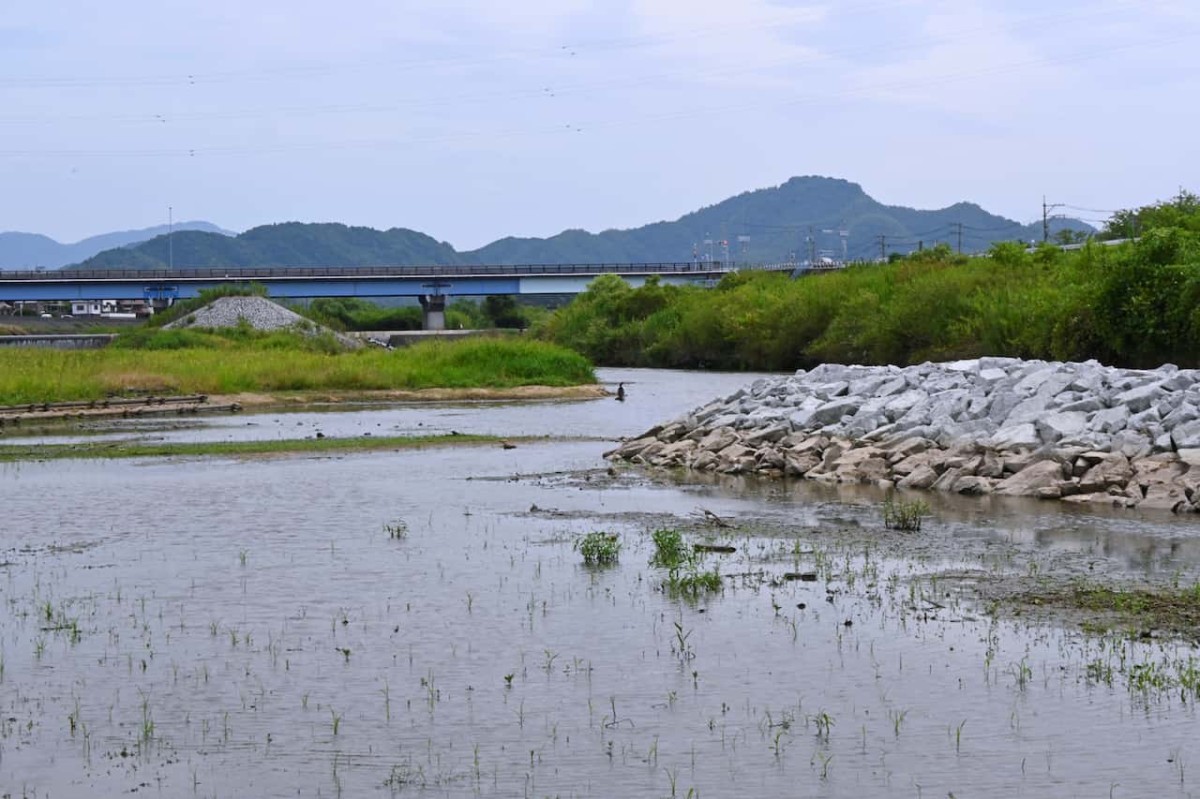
(430, 285)
(373, 281)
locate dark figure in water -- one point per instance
(620, 392)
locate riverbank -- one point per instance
(1127, 305)
(283, 365)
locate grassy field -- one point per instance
(186, 362)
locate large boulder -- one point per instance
(1033, 478)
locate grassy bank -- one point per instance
(241, 361)
(133, 449)
(1131, 305)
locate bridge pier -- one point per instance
(433, 311)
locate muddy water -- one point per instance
(250, 628)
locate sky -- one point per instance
(471, 120)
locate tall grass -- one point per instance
(279, 362)
(1132, 305)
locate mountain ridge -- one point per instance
(800, 218)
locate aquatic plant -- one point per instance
(904, 516)
(693, 582)
(396, 530)
(683, 564)
(824, 723)
(670, 551)
(599, 548)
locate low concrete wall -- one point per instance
(60, 341)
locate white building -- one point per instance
(86, 308)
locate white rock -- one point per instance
(1064, 424)
(1139, 399)
(1020, 435)
(1187, 435)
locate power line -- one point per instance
(1088, 210)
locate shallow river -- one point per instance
(252, 627)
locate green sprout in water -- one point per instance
(670, 551)
(683, 564)
(599, 548)
(904, 516)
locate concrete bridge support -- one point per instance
(433, 311)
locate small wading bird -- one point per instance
(620, 392)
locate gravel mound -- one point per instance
(1077, 431)
(259, 312)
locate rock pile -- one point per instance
(258, 312)
(1080, 432)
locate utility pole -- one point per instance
(959, 225)
(882, 248)
(1046, 209)
(170, 237)
(812, 248)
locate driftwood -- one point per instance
(712, 518)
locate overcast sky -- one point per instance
(474, 119)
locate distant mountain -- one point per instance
(286, 244)
(805, 216)
(31, 250)
(776, 225)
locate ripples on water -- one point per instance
(234, 628)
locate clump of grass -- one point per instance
(599, 548)
(693, 582)
(670, 550)
(685, 575)
(396, 530)
(904, 516)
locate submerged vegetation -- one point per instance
(167, 449)
(1131, 304)
(240, 360)
(1138, 610)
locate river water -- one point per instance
(251, 627)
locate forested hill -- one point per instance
(287, 244)
(766, 225)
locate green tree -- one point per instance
(501, 310)
(1181, 211)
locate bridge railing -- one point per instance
(293, 272)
